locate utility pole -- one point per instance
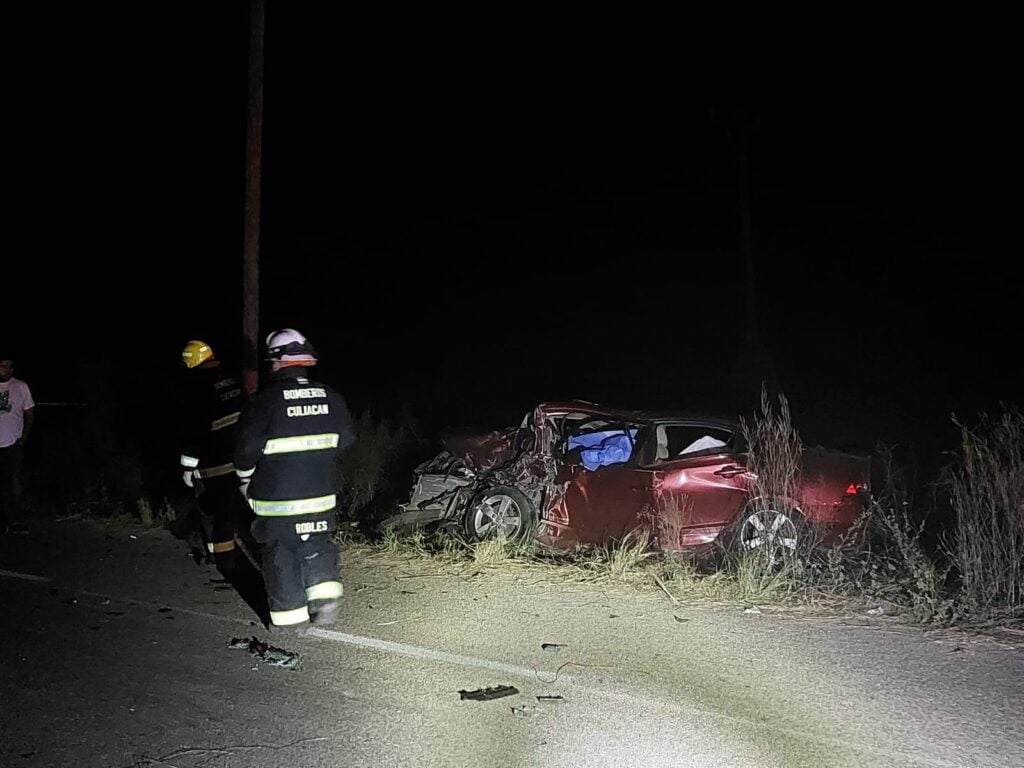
(743, 169)
(754, 363)
(254, 154)
(738, 127)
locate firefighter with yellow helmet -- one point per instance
(212, 400)
(289, 438)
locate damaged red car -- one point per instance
(575, 473)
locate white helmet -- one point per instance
(289, 346)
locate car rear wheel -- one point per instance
(500, 512)
(773, 529)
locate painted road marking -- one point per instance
(426, 653)
(25, 576)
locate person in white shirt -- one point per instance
(17, 411)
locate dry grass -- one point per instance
(620, 560)
(774, 457)
(986, 491)
(912, 577)
(774, 452)
(666, 528)
(163, 515)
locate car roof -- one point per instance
(652, 416)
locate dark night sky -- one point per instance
(469, 229)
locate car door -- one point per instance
(699, 484)
(605, 502)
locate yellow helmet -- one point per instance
(196, 352)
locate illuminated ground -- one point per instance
(115, 654)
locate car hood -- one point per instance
(482, 450)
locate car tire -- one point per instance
(773, 527)
(501, 511)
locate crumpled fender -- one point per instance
(483, 451)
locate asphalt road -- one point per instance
(114, 652)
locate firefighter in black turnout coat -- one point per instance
(211, 402)
(289, 437)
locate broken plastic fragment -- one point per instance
(486, 694)
(550, 699)
(551, 647)
(269, 654)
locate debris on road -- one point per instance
(551, 647)
(550, 699)
(487, 694)
(269, 654)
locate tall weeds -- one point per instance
(890, 561)
(666, 524)
(986, 491)
(770, 524)
(774, 450)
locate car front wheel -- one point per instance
(501, 512)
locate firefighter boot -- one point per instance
(288, 630)
(324, 612)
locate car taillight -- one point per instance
(854, 488)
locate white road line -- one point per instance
(25, 576)
(426, 653)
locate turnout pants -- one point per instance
(225, 519)
(223, 516)
(10, 484)
(301, 576)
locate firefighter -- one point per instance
(289, 438)
(212, 402)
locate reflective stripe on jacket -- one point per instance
(289, 437)
(212, 403)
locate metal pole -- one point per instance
(254, 151)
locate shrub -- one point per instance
(986, 492)
(375, 471)
(891, 562)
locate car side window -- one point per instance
(600, 444)
(676, 441)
